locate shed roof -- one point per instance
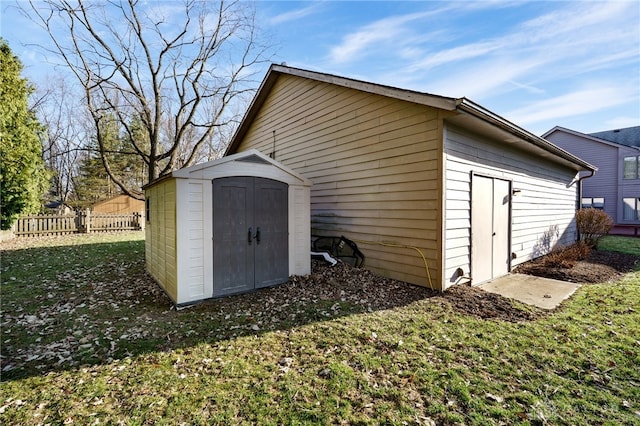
(464, 113)
(247, 163)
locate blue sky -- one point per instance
(538, 64)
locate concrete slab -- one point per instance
(544, 293)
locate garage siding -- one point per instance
(542, 212)
(374, 164)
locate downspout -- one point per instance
(580, 179)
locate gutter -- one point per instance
(579, 206)
(470, 107)
(580, 179)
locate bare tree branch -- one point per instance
(175, 70)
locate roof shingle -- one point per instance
(629, 136)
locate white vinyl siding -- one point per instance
(194, 261)
(543, 206)
(299, 225)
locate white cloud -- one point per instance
(481, 79)
(457, 54)
(294, 15)
(576, 18)
(564, 44)
(621, 122)
(395, 30)
(529, 88)
(571, 104)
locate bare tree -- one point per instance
(59, 110)
(176, 69)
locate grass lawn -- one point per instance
(88, 338)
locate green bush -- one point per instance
(592, 225)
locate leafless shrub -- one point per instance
(592, 225)
(567, 257)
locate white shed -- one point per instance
(227, 226)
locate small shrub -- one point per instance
(566, 257)
(592, 225)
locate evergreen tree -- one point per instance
(94, 184)
(23, 177)
(119, 150)
(134, 171)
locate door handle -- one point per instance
(249, 236)
(257, 236)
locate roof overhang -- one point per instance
(464, 113)
(275, 71)
(473, 116)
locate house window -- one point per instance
(631, 209)
(598, 203)
(631, 167)
(147, 209)
(593, 203)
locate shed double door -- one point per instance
(490, 212)
(250, 234)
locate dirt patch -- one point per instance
(360, 286)
(482, 304)
(598, 267)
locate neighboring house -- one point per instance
(616, 187)
(58, 207)
(120, 204)
(434, 190)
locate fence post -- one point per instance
(87, 221)
(138, 222)
(141, 220)
(80, 221)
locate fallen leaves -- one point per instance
(98, 340)
(96, 306)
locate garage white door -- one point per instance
(490, 207)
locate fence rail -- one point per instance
(82, 222)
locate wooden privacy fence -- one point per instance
(81, 222)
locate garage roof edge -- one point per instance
(463, 105)
(436, 101)
(468, 106)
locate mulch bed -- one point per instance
(598, 267)
(361, 286)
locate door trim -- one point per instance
(249, 238)
(509, 221)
